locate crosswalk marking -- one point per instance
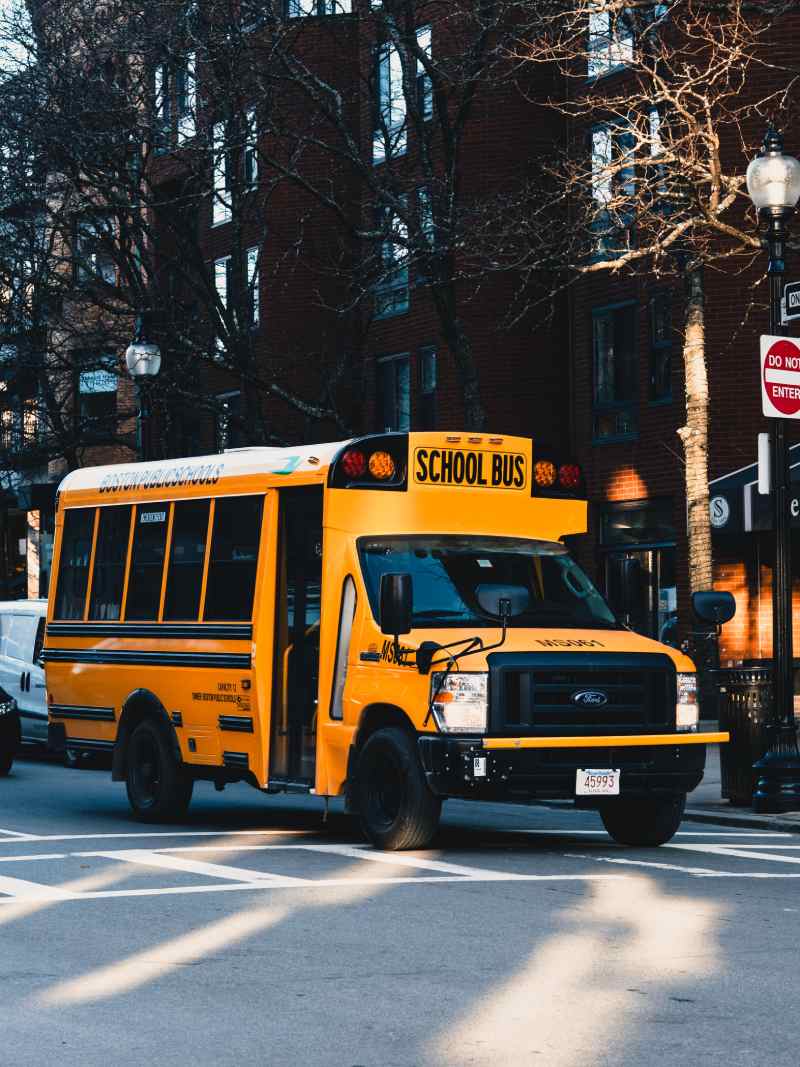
(739, 853)
(18, 889)
(190, 866)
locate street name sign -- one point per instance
(780, 377)
(790, 305)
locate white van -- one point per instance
(22, 625)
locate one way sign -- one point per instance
(790, 305)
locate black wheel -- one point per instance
(396, 808)
(72, 759)
(159, 790)
(6, 761)
(9, 743)
(642, 821)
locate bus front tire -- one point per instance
(643, 822)
(159, 790)
(396, 808)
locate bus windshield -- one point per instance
(451, 577)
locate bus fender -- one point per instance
(140, 704)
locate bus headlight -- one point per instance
(459, 701)
(686, 710)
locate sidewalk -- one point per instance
(706, 805)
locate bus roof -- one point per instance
(200, 470)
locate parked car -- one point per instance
(22, 624)
(9, 731)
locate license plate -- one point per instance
(597, 783)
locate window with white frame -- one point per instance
(394, 393)
(223, 287)
(389, 137)
(391, 286)
(186, 98)
(94, 258)
(613, 183)
(250, 150)
(610, 40)
(655, 125)
(297, 9)
(222, 204)
(253, 274)
(424, 83)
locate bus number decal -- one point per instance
(455, 466)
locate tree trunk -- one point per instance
(694, 436)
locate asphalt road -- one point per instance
(255, 935)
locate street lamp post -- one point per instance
(773, 182)
(143, 360)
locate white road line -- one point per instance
(19, 890)
(642, 863)
(162, 833)
(402, 859)
(738, 853)
(565, 831)
(209, 870)
(12, 833)
(322, 883)
(39, 856)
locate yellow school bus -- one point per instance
(394, 619)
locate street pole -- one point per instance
(143, 359)
(778, 772)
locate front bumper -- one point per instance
(545, 768)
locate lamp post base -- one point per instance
(778, 775)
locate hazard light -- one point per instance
(552, 477)
(379, 462)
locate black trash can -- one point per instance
(745, 706)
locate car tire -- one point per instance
(9, 743)
(6, 762)
(396, 808)
(643, 822)
(159, 789)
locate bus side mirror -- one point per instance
(396, 604)
(713, 607)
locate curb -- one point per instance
(744, 821)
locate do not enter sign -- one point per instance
(780, 377)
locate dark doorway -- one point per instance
(299, 580)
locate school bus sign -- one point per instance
(780, 377)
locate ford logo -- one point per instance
(590, 698)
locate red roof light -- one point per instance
(354, 464)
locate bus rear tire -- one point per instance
(396, 808)
(643, 822)
(159, 790)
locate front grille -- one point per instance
(533, 694)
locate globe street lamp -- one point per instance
(773, 182)
(143, 360)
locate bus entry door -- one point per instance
(294, 723)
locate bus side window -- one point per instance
(73, 568)
(108, 577)
(234, 557)
(185, 570)
(346, 618)
(147, 561)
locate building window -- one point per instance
(97, 389)
(303, 8)
(222, 206)
(391, 286)
(228, 421)
(424, 83)
(253, 285)
(222, 286)
(394, 393)
(161, 103)
(186, 98)
(389, 138)
(613, 186)
(610, 42)
(615, 372)
(661, 347)
(94, 259)
(250, 153)
(426, 364)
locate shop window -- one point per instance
(147, 561)
(73, 568)
(615, 372)
(234, 557)
(187, 553)
(394, 393)
(661, 347)
(108, 574)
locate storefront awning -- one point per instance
(737, 507)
